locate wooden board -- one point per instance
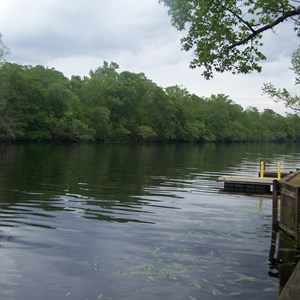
(250, 180)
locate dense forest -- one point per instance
(41, 104)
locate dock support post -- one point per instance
(275, 203)
(279, 171)
(297, 216)
(262, 169)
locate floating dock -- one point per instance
(247, 185)
(262, 184)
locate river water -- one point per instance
(134, 222)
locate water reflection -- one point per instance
(132, 222)
(283, 257)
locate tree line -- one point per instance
(41, 104)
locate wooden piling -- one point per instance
(275, 203)
(297, 217)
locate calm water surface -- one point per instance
(134, 222)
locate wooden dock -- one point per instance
(247, 185)
(262, 184)
(286, 217)
(291, 290)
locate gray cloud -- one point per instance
(282, 41)
(66, 28)
(75, 36)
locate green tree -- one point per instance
(7, 124)
(39, 106)
(293, 124)
(253, 121)
(274, 127)
(135, 92)
(100, 99)
(224, 119)
(227, 35)
(161, 110)
(22, 105)
(76, 84)
(189, 116)
(282, 94)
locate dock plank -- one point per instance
(247, 185)
(244, 179)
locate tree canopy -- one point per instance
(41, 104)
(227, 35)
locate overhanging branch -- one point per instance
(266, 27)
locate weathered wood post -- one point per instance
(297, 217)
(272, 259)
(276, 186)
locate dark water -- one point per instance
(134, 222)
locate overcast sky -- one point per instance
(75, 36)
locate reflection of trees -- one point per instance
(118, 169)
(283, 257)
(6, 153)
(112, 176)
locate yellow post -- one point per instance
(279, 171)
(262, 169)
